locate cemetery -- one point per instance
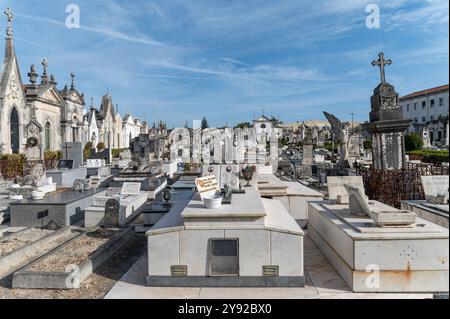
(313, 209)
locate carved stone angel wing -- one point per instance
(336, 124)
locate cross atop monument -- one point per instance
(9, 31)
(72, 76)
(8, 12)
(381, 62)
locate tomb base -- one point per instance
(375, 259)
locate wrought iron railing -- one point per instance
(393, 187)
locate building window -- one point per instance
(263, 126)
(48, 129)
(424, 104)
(416, 119)
(431, 118)
(415, 106)
(441, 101)
(224, 257)
(424, 119)
(431, 103)
(407, 107)
(14, 127)
(180, 152)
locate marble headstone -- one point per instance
(131, 188)
(338, 191)
(73, 151)
(436, 189)
(112, 210)
(229, 175)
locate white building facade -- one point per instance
(428, 109)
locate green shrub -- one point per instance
(413, 142)
(429, 156)
(368, 145)
(87, 150)
(11, 165)
(49, 155)
(101, 146)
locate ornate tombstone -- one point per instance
(387, 125)
(112, 209)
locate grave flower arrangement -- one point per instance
(247, 174)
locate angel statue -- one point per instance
(342, 134)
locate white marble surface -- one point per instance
(242, 205)
(322, 282)
(406, 259)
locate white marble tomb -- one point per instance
(252, 242)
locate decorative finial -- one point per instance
(52, 80)
(10, 15)
(33, 75)
(92, 102)
(72, 76)
(381, 62)
(45, 65)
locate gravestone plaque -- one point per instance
(112, 209)
(436, 189)
(131, 188)
(113, 191)
(211, 169)
(337, 189)
(229, 176)
(207, 185)
(96, 163)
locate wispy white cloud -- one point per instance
(103, 31)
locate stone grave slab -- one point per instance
(337, 190)
(411, 259)
(436, 189)
(64, 208)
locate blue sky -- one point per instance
(179, 60)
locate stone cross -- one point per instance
(67, 147)
(45, 65)
(10, 15)
(381, 62)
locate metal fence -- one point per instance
(393, 187)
